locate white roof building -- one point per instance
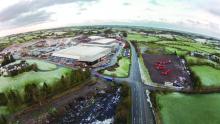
(95, 37)
(103, 41)
(83, 53)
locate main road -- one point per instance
(141, 109)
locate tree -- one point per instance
(3, 99)
(13, 97)
(11, 58)
(124, 34)
(3, 119)
(34, 67)
(64, 81)
(31, 93)
(108, 31)
(8, 58)
(45, 90)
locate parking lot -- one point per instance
(167, 69)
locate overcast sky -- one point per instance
(200, 16)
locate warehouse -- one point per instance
(104, 42)
(83, 53)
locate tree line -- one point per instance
(33, 93)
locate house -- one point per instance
(13, 69)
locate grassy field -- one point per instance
(144, 71)
(189, 46)
(140, 37)
(19, 81)
(176, 108)
(122, 70)
(178, 51)
(209, 76)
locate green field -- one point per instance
(199, 61)
(189, 46)
(48, 73)
(175, 50)
(140, 37)
(19, 81)
(176, 108)
(122, 70)
(209, 76)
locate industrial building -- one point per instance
(83, 53)
(104, 42)
(90, 52)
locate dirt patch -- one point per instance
(167, 68)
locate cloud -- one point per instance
(31, 18)
(154, 2)
(211, 6)
(22, 7)
(126, 4)
(39, 14)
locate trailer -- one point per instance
(108, 78)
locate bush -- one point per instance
(14, 97)
(53, 112)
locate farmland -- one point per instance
(143, 38)
(209, 76)
(189, 46)
(177, 108)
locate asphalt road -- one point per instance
(141, 109)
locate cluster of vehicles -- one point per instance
(162, 66)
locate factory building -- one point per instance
(90, 52)
(83, 53)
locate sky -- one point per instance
(197, 16)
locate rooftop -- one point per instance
(95, 37)
(82, 53)
(103, 41)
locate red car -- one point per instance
(166, 72)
